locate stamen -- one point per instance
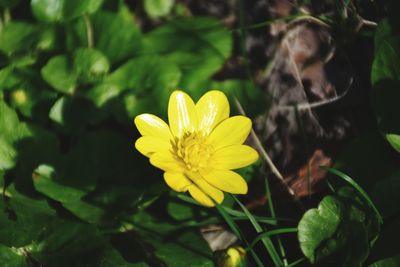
(193, 151)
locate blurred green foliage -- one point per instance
(73, 75)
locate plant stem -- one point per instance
(89, 30)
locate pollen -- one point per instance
(193, 151)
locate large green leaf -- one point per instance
(151, 73)
(101, 94)
(317, 227)
(60, 10)
(70, 197)
(60, 73)
(340, 232)
(91, 64)
(17, 36)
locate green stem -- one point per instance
(89, 30)
(269, 245)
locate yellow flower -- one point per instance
(200, 147)
(232, 257)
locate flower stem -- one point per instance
(89, 30)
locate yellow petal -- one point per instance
(234, 157)
(232, 131)
(150, 125)
(165, 161)
(147, 145)
(182, 115)
(177, 181)
(227, 181)
(212, 108)
(207, 188)
(200, 197)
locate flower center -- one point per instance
(193, 151)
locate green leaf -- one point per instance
(152, 73)
(23, 219)
(359, 189)
(126, 37)
(8, 78)
(60, 10)
(61, 243)
(154, 80)
(7, 155)
(394, 141)
(11, 131)
(60, 74)
(158, 8)
(173, 246)
(11, 258)
(387, 28)
(318, 226)
(91, 64)
(389, 262)
(17, 37)
(180, 211)
(71, 197)
(187, 42)
(386, 63)
(335, 234)
(101, 94)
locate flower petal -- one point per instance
(147, 145)
(234, 157)
(150, 125)
(177, 181)
(182, 115)
(164, 160)
(212, 108)
(207, 189)
(200, 197)
(232, 131)
(227, 181)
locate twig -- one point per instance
(307, 106)
(264, 154)
(89, 30)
